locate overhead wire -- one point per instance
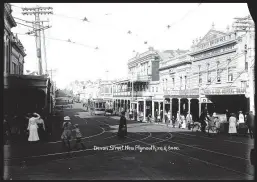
(51, 38)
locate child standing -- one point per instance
(78, 136)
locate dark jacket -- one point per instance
(123, 124)
(250, 120)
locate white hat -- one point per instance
(214, 114)
(66, 118)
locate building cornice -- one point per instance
(8, 14)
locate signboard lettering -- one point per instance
(225, 91)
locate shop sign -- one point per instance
(225, 91)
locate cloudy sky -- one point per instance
(108, 28)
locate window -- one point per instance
(218, 73)
(14, 68)
(152, 89)
(156, 89)
(180, 82)
(185, 82)
(200, 75)
(230, 75)
(166, 84)
(173, 82)
(208, 73)
(243, 84)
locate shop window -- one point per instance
(230, 75)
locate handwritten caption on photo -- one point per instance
(136, 148)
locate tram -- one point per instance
(97, 107)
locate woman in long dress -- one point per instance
(232, 125)
(32, 127)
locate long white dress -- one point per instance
(183, 126)
(32, 127)
(232, 125)
(241, 118)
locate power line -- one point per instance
(60, 40)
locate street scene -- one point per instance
(95, 92)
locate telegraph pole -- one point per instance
(36, 11)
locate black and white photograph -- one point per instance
(128, 91)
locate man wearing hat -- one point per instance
(122, 132)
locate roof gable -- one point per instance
(212, 34)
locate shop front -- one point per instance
(231, 99)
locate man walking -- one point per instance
(250, 124)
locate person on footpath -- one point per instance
(7, 131)
(202, 119)
(232, 125)
(122, 132)
(41, 129)
(166, 118)
(250, 119)
(67, 131)
(189, 120)
(33, 128)
(78, 137)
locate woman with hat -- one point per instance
(122, 132)
(33, 128)
(232, 124)
(67, 131)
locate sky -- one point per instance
(108, 28)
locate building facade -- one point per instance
(219, 69)
(14, 52)
(175, 80)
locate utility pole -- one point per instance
(36, 11)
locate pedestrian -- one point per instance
(67, 129)
(178, 119)
(41, 129)
(183, 122)
(173, 121)
(130, 115)
(189, 120)
(216, 122)
(166, 119)
(202, 119)
(33, 128)
(211, 125)
(78, 137)
(156, 115)
(135, 115)
(122, 132)
(241, 118)
(161, 116)
(250, 119)
(227, 115)
(232, 125)
(7, 131)
(149, 118)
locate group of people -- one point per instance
(66, 136)
(31, 126)
(234, 122)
